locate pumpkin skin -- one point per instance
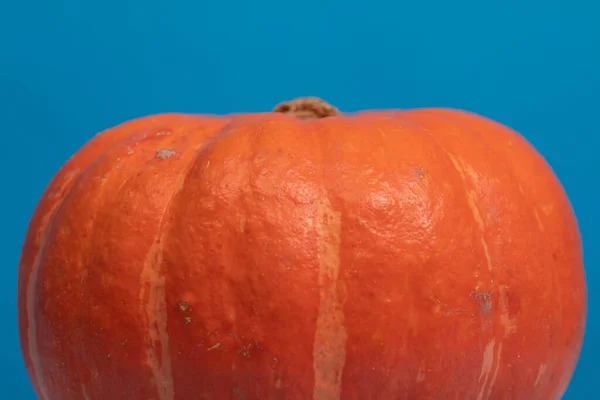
(420, 254)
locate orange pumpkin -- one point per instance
(303, 254)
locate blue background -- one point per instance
(69, 69)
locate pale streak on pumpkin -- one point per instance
(541, 372)
(156, 306)
(156, 309)
(508, 323)
(329, 348)
(472, 202)
(491, 360)
(538, 219)
(493, 380)
(84, 392)
(486, 364)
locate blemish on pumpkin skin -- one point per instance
(184, 306)
(420, 172)
(506, 304)
(485, 301)
(239, 393)
(164, 154)
(245, 351)
(214, 347)
(548, 209)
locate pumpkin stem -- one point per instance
(307, 108)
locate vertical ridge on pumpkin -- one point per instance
(32, 328)
(469, 192)
(40, 224)
(492, 350)
(48, 223)
(155, 306)
(329, 349)
(103, 173)
(523, 163)
(44, 227)
(94, 189)
(153, 291)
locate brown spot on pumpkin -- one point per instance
(184, 306)
(164, 154)
(420, 172)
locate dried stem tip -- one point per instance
(307, 108)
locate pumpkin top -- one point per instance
(307, 108)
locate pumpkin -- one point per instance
(303, 254)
